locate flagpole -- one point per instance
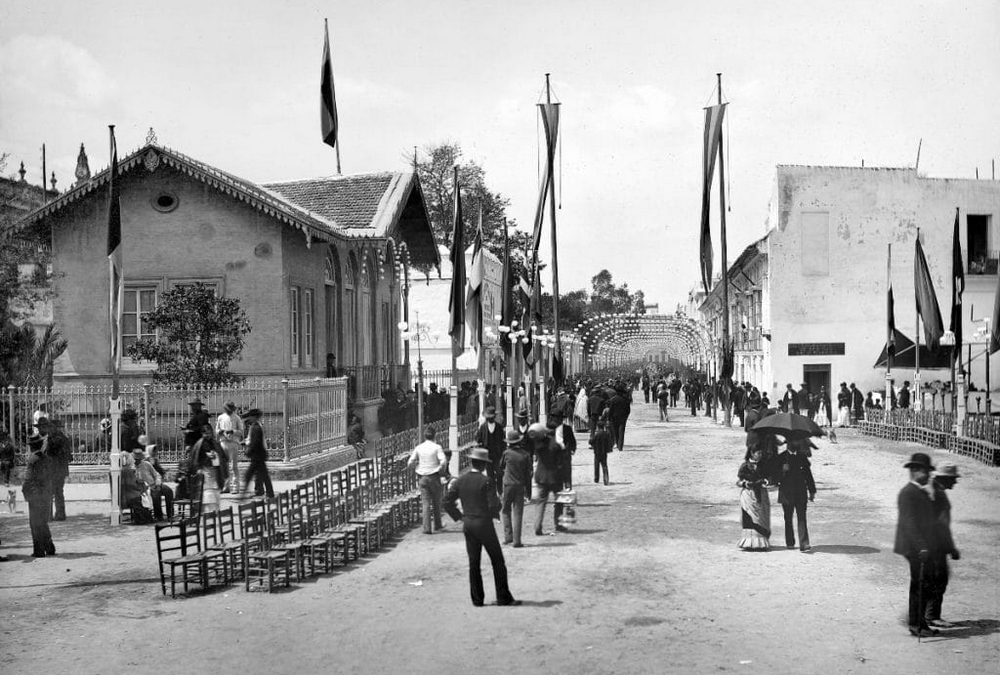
(115, 402)
(727, 412)
(889, 345)
(915, 395)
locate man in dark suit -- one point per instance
(904, 396)
(945, 477)
(257, 453)
(915, 540)
(803, 401)
(490, 435)
(596, 403)
(857, 404)
(795, 487)
(480, 505)
(790, 401)
(620, 406)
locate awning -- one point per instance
(906, 355)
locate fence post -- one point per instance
(319, 414)
(145, 407)
(10, 411)
(284, 417)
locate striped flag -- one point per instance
(456, 300)
(713, 141)
(550, 120)
(957, 288)
(473, 296)
(506, 293)
(995, 323)
(533, 316)
(927, 304)
(524, 299)
(116, 279)
(327, 96)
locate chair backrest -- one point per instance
(283, 505)
(227, 524)
(174, 540)
(338, 482)
(196, 492)
(255, 532)
(248, 512)
(210, 529)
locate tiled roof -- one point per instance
(256, 196)
(352, 202)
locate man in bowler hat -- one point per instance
(915, 540)
(480, 505)
(257, 453)
(37, 490)
(515, 467)
(945, 477)
(795, 486)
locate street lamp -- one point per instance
(418, 334)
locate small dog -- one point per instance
(833, 436)
(12, 501)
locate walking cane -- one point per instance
(920, 602)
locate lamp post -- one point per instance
(418, 334)
(508, 377)
(948, 340)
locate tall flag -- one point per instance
(533, 315)
(550, 120)
(456, 301)
(473, 296)
(927, 304)
(890, 338)
(995, 323)
(713, 143)
(957, 288)
(116, 279)
(327, 98)
(506, 293)
(524, 299)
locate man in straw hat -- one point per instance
(945, 477)
(915, 539)
(37, 489)
(229, 428)
(480, 505)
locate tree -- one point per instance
(437, 178)
(199, 335)
(608, 298)
(27, 358)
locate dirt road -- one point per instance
(649, 581)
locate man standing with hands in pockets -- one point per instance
(429, 459)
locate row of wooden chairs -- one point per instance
(309, 529)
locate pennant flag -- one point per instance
(550, 120)
(927, 304)
(506, 293)
(116, 285)
(473, 296)
(891, 343)
(995, 323)
(533, 316)
(327, 97)
(957, 288)
(713, 142)
(456, 301)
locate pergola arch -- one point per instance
(630, 336)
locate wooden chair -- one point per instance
(292, 538)
(178, 548)
(216, 567)
(190, 508)
(234, 550)
(357, 509)
(325, 545)
(265, 566)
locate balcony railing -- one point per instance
(984, 263)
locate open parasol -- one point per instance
(790, 425)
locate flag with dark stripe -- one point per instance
(927, 304)
(456, 300)
(116, 280)
(327, 96)
(550, 120)
(957, 288)
(712, 143)
(473, 296)
(506, 293)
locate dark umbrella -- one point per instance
(789, 425)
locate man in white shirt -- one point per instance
(430, 461)
(229, 429)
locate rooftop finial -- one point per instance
(53, 181)
(22, 171)
(82, 172)
(151, 137)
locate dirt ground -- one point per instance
(650, 580)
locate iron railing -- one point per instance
(299, 417)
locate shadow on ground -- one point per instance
(845, 549)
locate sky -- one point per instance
(236, 84)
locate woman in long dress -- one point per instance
(755, 504)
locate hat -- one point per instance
(480, 454)
(195, 401)
(143, 440)
(521, 414)
(537, 430)
(137, 451)
(230, 407)
(947, 469)
(513, 437)
(921, 460)
(41, 421)
(253, 412)
(490, 412)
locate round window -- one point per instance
(165, 202)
